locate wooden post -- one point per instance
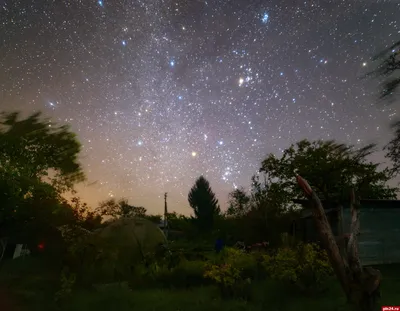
(165, 215)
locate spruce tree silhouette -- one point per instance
(204, 203)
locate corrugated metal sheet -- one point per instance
(379, 240)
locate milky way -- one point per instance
(161, 92)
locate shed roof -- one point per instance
(364, 202)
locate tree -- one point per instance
(156, 219)
(263, 214)
(38, 162)
(204, 204)
(84, 217)
(361, 285)
(331, 168)
(239, 203)
(120, 209)
(388, 68)
(35, 148)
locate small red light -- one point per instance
(41, 246)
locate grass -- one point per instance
(264, 297)
(32, 285)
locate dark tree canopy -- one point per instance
(331, 168)
(38, 162)
(388, 69)
(239, 203)
(34, 147)
(204, 204)
(120, 208)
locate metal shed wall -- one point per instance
(379, 240)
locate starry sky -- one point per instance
(162, 91)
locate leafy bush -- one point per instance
(246, 263)
(67, 281)
(188, 274)
(305, 266)
(229, 280)
(233, 271)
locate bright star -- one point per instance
(364, 64)
(123, 42)
(194, 153)
(100, 2)
(265, 18)
(241, 80)
(172, 63)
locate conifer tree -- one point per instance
(204, 203)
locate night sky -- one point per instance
(161, 92)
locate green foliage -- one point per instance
(266, 210)
(38, 162)
(67, 282)
(33, 146)
(111, 253)
(305, 266)
(238, 204)
(185, 274)
(156, 219)
(188, 274)
(246, 263)
(204, 204)
(332, 169)
(232, 271)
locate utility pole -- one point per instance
(165, 215)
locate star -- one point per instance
(160, 96)
(265, 18)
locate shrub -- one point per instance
(305, 266)
(188, 274)
(246, 263)
(67, 282)
(229, 280)
(232, 271)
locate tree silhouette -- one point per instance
(239, 203)
(332, 168)
(120, 208)
(388, 68)
(204, 203)
(39, 161)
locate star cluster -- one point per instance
(161, 91)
